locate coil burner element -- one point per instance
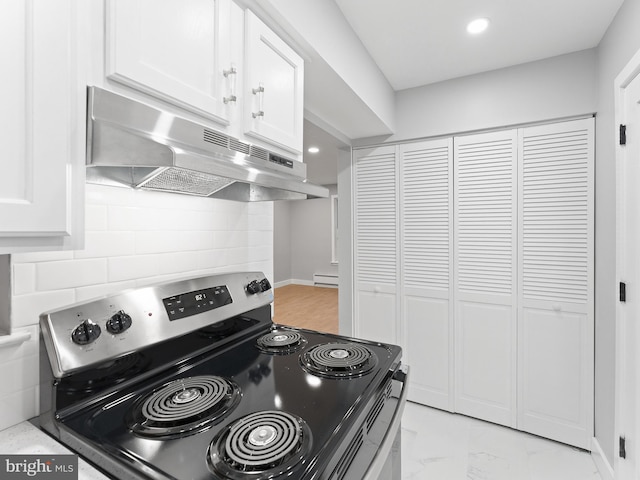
(339, 360)
(281, 342)
(184, 406)
(264, 444)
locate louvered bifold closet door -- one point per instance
(555, 330)
(426, 191)
(376, 243)
(485, 275)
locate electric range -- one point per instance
(191, 379)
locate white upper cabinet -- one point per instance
(176, 50)
(211, 58)
(42, 181)
(273, 87)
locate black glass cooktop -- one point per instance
(318, 409)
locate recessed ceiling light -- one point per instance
(313, 150)
(478, 25)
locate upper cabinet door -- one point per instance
(42, 116)
(273, 96)
(176, 50)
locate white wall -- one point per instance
(309, 242)
(538, 91)
(282, 242)
(619, 44)
(311, 237)
(133, 238)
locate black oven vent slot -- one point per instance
(347, 458)
(377, 407)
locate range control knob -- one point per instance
(118, 322)
(85, 333)
(265, 285)
(253, 287)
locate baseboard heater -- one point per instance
(325, 279)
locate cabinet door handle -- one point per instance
(260, 92)
(232, 72)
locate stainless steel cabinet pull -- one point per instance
(260, 92)
(232, 84)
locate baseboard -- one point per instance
(599, 458)
(325, 279)
(297, 281)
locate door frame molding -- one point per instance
(621, 82)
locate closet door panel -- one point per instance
(376, 244)
(485, 275)
(555, 344)
(426, 185)
(554, 352)
(485, 361)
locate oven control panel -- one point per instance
(92, 332)
(192, 303)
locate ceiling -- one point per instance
(322, 167)
(418, 42)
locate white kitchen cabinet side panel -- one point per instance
(426, 192)
(273, 87)
(376, 243)
(485, 261)
(556, 261)
(175, 50)
(42, 127)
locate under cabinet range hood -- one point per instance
(137, 145)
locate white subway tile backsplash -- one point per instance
(107, 244)
(18, 406)
(95, 291)
(201, 240)
(121, 217)
(95, 218)
(133, 267)
(70, 273)
(24, 278)
(35, 257)
(134, 238)
(27, 348)
(106, 195)
(19, 374)
(156, 242)
(26, 309)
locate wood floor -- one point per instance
(315, 308)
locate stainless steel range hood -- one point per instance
(133, 144)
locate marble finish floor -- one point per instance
(437, 445)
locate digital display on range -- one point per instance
(198, 301)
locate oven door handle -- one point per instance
(373, 473)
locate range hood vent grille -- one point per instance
(260, 153)
(216, 138)
(133, 144)
(238, 146)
